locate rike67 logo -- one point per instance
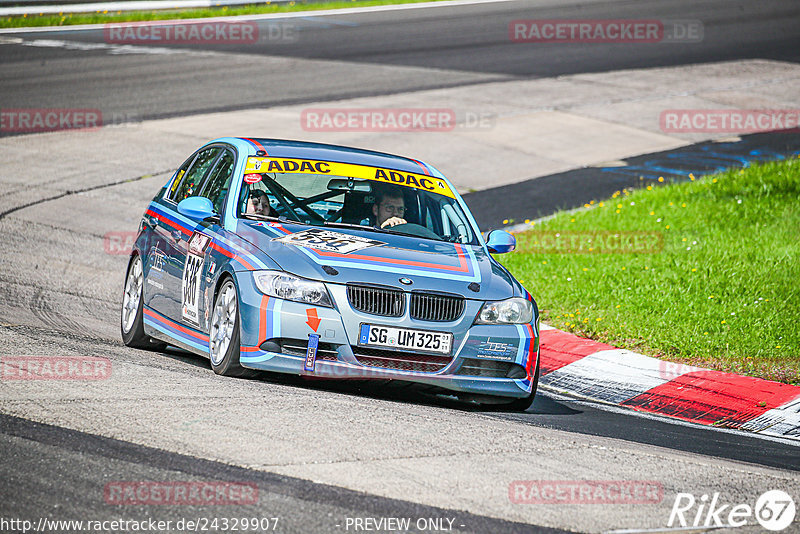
(774, 510)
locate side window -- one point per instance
(219, 181)
(178, 178)
(191, 178)
(253, 194)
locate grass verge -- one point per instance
(715, 282)
(104, 17)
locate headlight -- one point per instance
(516, 310)
(290, 287)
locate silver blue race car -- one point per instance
(332, 262)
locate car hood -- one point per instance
(379, 258)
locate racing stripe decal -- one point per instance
(256, 144)
(222, 245)
(177, 331)
(526, 345)
(531, 350)
(424, 167)
(269, 326)
(262, 320)
(467, 268)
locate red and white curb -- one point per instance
(600, 372)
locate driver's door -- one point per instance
(195, 249)
(177, 239)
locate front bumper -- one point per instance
(498, 360)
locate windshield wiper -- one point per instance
(258, 217)
(453, 239)
(354, 226)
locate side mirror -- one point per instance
(500, 242)
(198, 208)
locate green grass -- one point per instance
(67, 19)
(722, 293)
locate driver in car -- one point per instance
(389, 208)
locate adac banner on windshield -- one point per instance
(256, 164)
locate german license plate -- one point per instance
(372, 335)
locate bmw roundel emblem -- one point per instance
(406, 281)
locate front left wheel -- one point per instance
(224, 336)
(131, 321)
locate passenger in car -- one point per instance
(258, 204)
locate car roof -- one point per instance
(284, 148)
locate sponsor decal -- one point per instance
(157, 259)
(192, 271)
(311, 353)
(198, 243)
(313, 319)
(252, 178)
(350, 170)
(191, 287)
(495, 350)
(328, 241)
(157, 285)
(207, 305)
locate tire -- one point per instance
(521, 404)
(131, 322)
(224, 342)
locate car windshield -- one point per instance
(335, 194)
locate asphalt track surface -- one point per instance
(376, 53)
(59, 469)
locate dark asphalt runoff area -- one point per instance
(53, 472)
(545, 195)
